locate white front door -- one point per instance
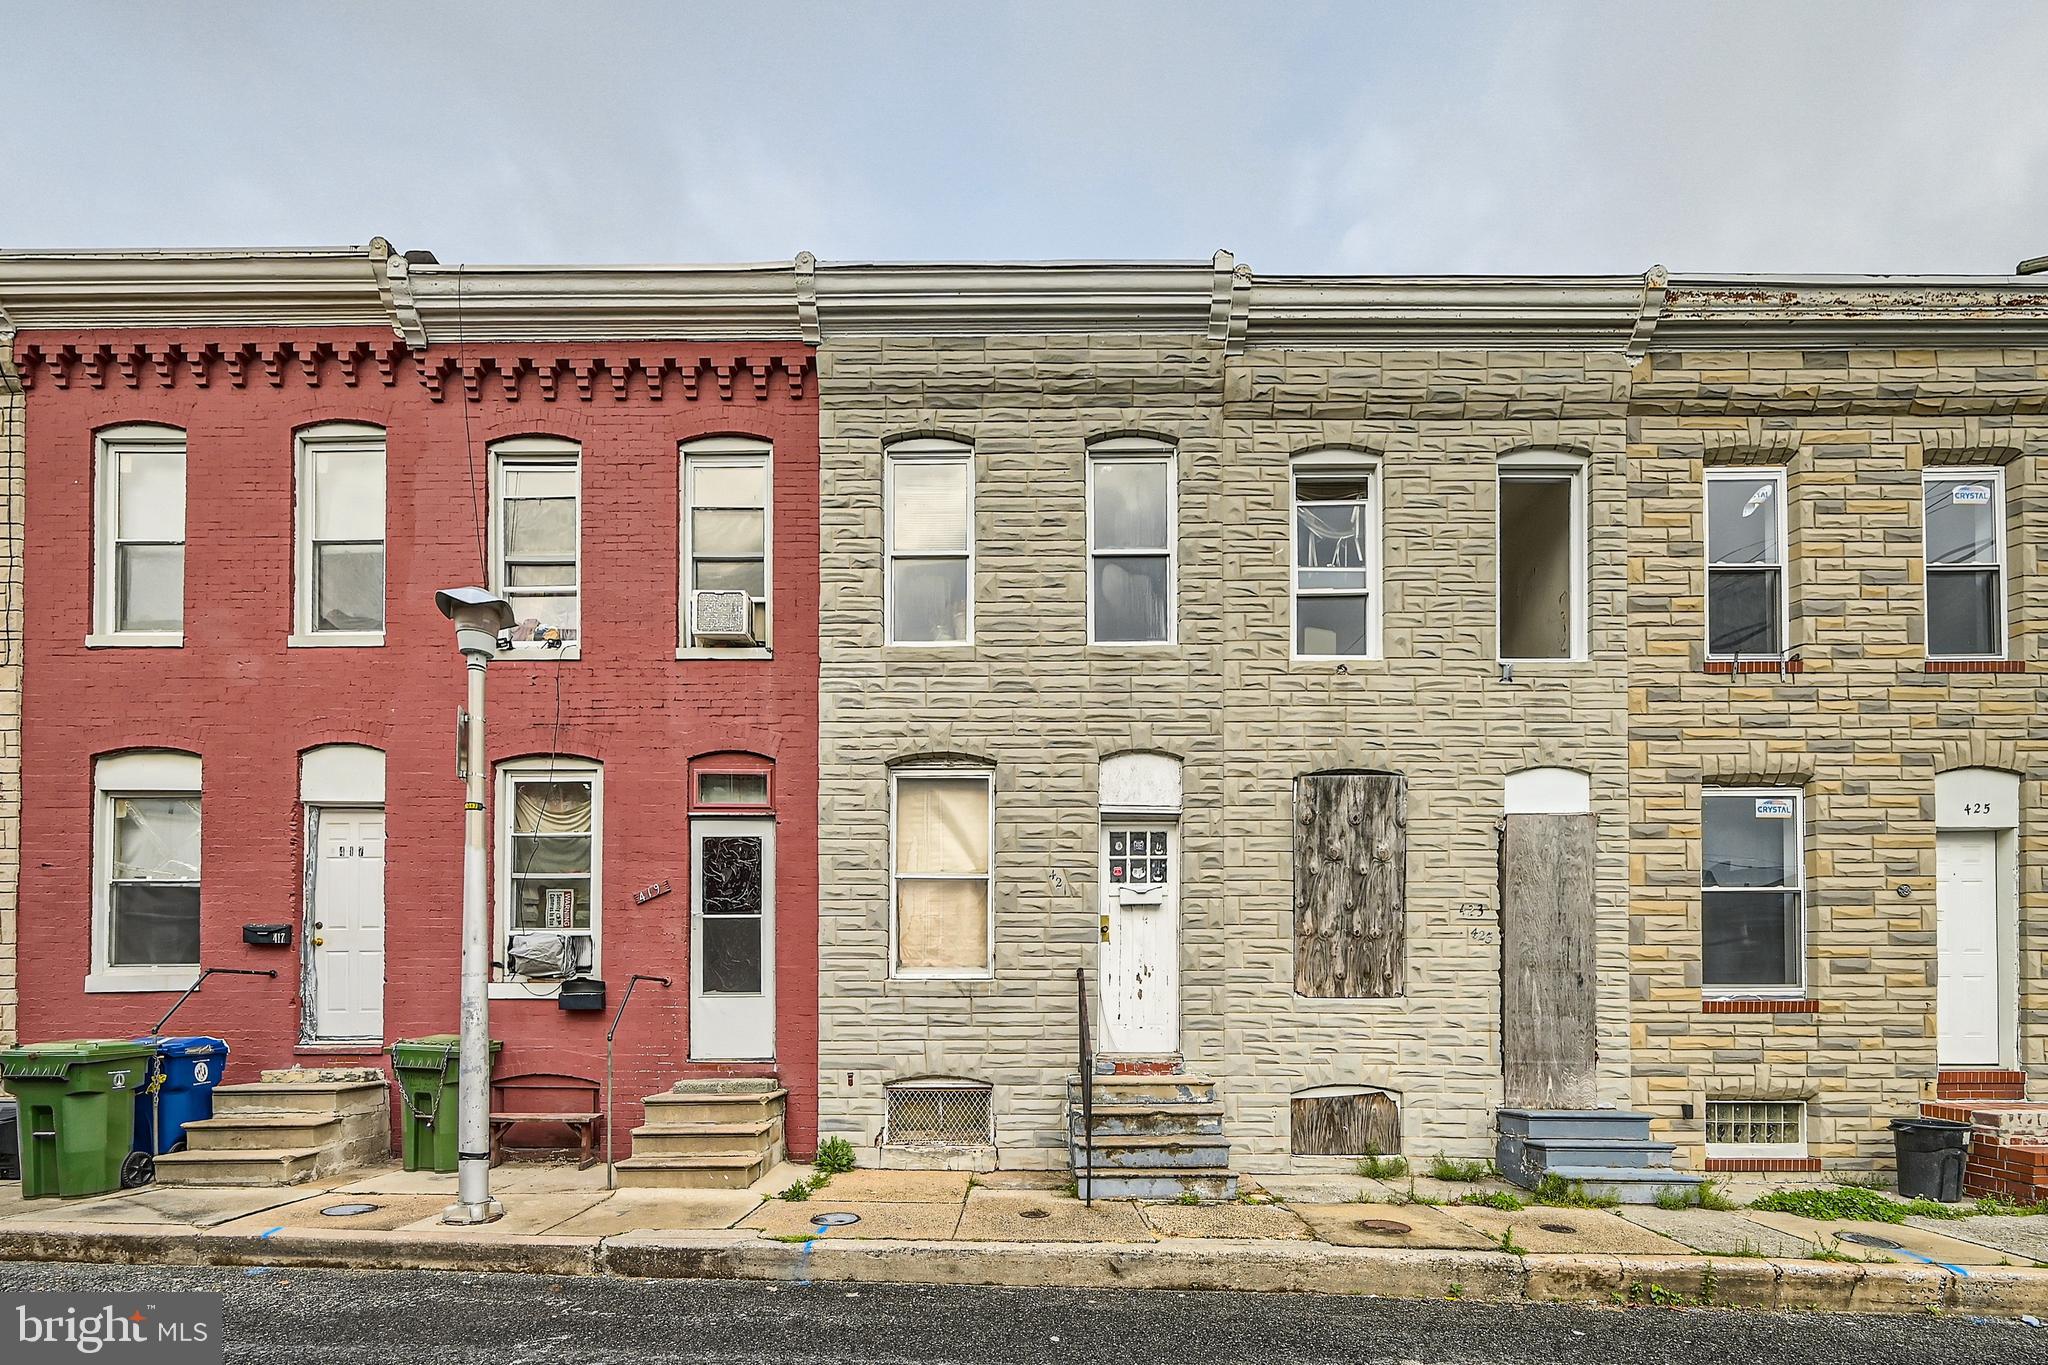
(732, 939)
(1968, 995)
(1140, 962)
(345, 930)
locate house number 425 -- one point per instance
(1976, 808)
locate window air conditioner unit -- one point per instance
(548, 956)
(721, 616)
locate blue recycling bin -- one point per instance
(180, 1090)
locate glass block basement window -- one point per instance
(1755, 1125)
(953, 1115)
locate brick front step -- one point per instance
(2008, 1147)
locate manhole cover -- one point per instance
(1565, 1228)
(1384, 1226)
(1871, 1239)
(834, 1220)
(348, 1210)
(1035, 1213)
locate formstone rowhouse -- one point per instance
(249, 473)
(1590, 722)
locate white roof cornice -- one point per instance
(1497, 312)
(1034, 297)
(506, 303)
(311, 287)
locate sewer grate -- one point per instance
(1566, 1228)
(348, 1210)
(1386, 1227)
(1034, 1213)
(834, 1220)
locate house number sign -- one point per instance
(352, 851)
(1474, 910)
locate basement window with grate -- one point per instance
(939, 1114)
(1754, 1128)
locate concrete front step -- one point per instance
(672, 1109)
(264, 1132)
(1146, 1090)
(240, 1166)
(1572, 1123)
(351, 1097)
(709, 1139)
(1576, 1151)
(1629, 1184)
(1181, 1118)
(1156, 1182)
(1151, 1150)
(667, 1172)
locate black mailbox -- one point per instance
(268, 935)
(581, 993)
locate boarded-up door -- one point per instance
(1547, 961)
(1350, 884)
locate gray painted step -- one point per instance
(1184, 1119)
(1159, 1183)
(1578, 1151)
(1572, 1123)
(1147, 1090)
(1629, 1184)
(1152, 1150)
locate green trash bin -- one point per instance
(77, 1112)
(427, 1070)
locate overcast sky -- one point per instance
(1546, 136)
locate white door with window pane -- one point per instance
(1968, 995)
(1139, 967)
(346, 933)
(732, 939)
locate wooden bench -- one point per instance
(545, 1097)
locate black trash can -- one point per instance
(1931, 1155)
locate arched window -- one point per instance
(537, 540)
(339, 597)
(1335, 565)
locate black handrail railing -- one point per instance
(1084, 1149)
(611, 1174)
(193, 989)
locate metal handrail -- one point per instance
(1085, 1148)
(611, 1175)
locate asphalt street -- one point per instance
(308, 1317)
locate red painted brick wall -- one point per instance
(248, 705)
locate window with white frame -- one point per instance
(537, 539)
(1752, 891)
(1756, 1128)
(140, 578)
(1746, 590)
(340, 597)
(1131, 543)
(929, 493)
(1541, 559)
(1964, 524)
(550, 849)
(146, 871)
(1336, 557)
(940, 839)
(727, 531)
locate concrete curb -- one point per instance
(1183, 1264)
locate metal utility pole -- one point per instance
(480, 617)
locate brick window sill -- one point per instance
(1712, 1006)
(1762, 1165)
(1728, 667)
(1974, 666)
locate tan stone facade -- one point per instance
(1861, 729)
(1042, 707)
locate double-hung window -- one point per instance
(940, 840)
(1541, 598)
(930, 498)
(1336, 559)
(1131, 543)
(727, 531)
(550, 837)
(537, 540)
(340, 598)
(146, 882)
(1746, 591)
(1752, 896)
(139, 596)
(1964, 521)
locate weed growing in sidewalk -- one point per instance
(1414, 1196)
(1854, 1204)
(1495, 1199)
(835, 1156)
(1188, 1197)
(1559, 1193)
(1448, 1168)
(1507, 1243)
(805, 1188)
(1456, 1291)
(1705, 1195)
(1375, 1167)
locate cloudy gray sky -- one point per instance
(1549, 135)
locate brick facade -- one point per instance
(236, 695)
(11, 432)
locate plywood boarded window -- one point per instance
(1350, 884)
(1357, 1122)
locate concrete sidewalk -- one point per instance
(1335, 1234)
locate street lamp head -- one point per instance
(480, 617)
